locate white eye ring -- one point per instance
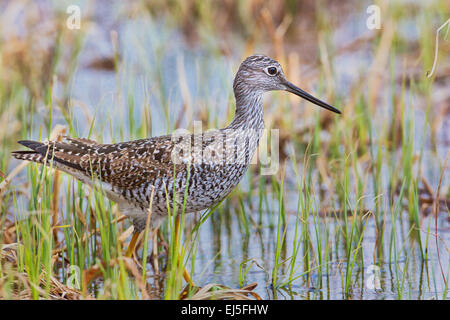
(271, 71)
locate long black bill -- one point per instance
(305, 95)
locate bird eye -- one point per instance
(271, 71)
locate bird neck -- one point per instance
(246, 129)
(249, 113)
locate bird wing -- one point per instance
(124, 165)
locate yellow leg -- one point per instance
(132, 245)
(186, 275)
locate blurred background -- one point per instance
(366, 188)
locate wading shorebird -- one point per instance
(166, 170)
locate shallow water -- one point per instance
(421, 279)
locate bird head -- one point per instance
(258, 74)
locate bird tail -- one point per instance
(36, 155)
(28, 156)
(44, 153)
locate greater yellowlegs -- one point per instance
(201, 169)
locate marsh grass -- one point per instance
(351, 191)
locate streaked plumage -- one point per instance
(207, 166)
